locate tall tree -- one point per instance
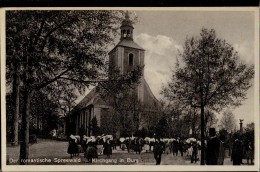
(120, 93)
(228, 121)
(250, 126)
(9, 117)
(44, 113)
(162, 127)
(56, 49)
(210, 119)
(16, 98)
(210, 75)
(249, 134)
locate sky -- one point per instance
(162, 35)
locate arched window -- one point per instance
(124, 33)
(131, 59)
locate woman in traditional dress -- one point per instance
(91, 152)
(73, 147)
(108, 148)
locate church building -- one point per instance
(126, 55)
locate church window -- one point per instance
(131, 59)
(124, 33)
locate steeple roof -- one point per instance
(129, 43)
(127, 34)
(127, 22)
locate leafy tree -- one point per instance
(228, 121)
(184, 118)
(56, 50)
(162, 127)
(16, 98)
(120, 93)
(250, 126)
(44, 114)
(249, 133)
(210, 119)
(141, 133)
(226, 138)
(150, 120)
(9, 118)
(210, 75)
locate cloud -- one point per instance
(160, 57)
(245, 51)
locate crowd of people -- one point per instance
(214, 155)
(90, 146)
(240, 150)
(105, 145)
(215, 151)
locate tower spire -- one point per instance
(127, 27)
(127, 15)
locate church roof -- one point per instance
(90, 99)
(150, 99)
(128, 43)
(93, 98)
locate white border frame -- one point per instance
(130, 167)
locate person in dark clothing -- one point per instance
(158, 150)
(212, 151)
(127, 143)
(108, 148)
(181, 145)
(249, 152)
(113, 144)
(116, 143)
(72, 148)
(137, 146)
(175, 147)
(91, 152)
(237, 152)
(194, 152)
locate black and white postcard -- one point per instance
(130, 89)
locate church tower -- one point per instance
(127, 55)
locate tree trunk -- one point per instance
(38, 122)
(24, 146)
(16, 95)
(202, 162)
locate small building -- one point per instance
(126, 56)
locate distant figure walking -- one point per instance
(167, 147)
(250, 153)
(194, 152)
(213, 148)
(137, 146)
(108, 148)
(181, 147)
(237, 152)
(175, 147)
(158, 150)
